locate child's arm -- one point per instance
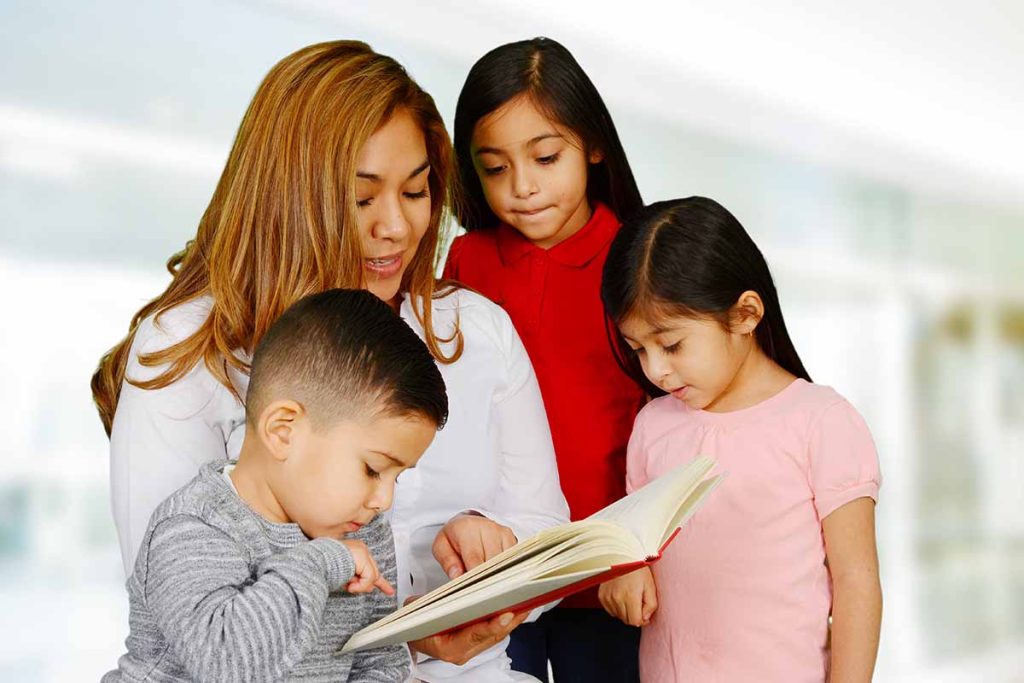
(390, 663)
(849, 534)
(632, 598)
(222, 623)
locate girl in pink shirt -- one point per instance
(776, 578)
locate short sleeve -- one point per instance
(843, 459)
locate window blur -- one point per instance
(887, 195)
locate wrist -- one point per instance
(338, 563)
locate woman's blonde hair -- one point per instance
(273, 231)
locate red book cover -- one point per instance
(612, 572)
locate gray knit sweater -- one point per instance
(221, 594)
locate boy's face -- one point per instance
(338, 479)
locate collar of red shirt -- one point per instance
(576, 251)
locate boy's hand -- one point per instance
(631, 598)
(468, 540)
(366, 576)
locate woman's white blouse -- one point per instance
(494, 455)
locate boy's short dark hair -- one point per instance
(342, 353)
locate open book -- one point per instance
(626, 535)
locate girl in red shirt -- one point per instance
(546, 181)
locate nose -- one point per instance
(523, 185)
(382, 496)
(390, 222)
(656, 367)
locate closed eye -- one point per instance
(549, 159)
(417, 195)
(673, 348)
(493, 170)
(372, 473)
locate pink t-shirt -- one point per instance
(743, 591)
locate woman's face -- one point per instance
(393, 202)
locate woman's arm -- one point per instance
(528, 499)
(852, 558)
(529, 496)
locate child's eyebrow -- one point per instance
(529, 143)
(394, 459)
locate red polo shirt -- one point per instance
(553, 297)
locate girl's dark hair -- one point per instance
(543, 70)
(690, 257)
(343, 353)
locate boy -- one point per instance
(261, 570)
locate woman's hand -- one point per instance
(458, 647)
(468, 540)
(632, 598)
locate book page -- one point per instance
(655, 511)
(589, 550)
(543, 554)
(460, 609)
(551, 563)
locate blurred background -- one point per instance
(873, 150)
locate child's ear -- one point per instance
(280, 427)
(747, 312)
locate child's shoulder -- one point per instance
(812, 401)
(472, 252)
(659, 415)
(205, 505)
(813, 411)
(801, 400)
(477, 239)
(810, 396)
(205, 497)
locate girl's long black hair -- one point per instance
(545, 71)
(690, 257)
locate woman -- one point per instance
(338, 177)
